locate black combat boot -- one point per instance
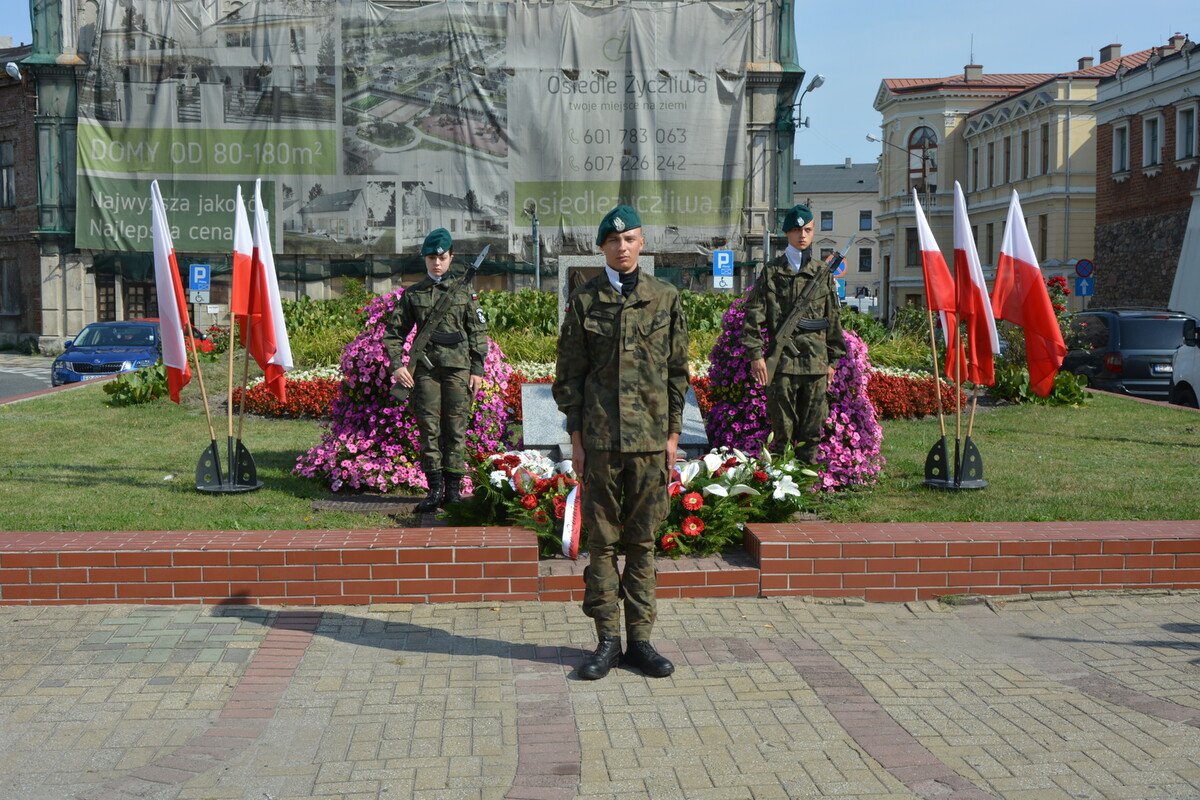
(641, 654)
(453, 488)
(436, 491)
(607, 656)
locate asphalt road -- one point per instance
(21, 374)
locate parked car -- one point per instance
(105, 348)
(1185, 369)
(1126, 350)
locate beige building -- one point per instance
(1030, 132)
(845, 202)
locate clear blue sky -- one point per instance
(857, 43)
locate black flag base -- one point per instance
(970, 469)
(242, 475)
(937, 466)
(969, 474)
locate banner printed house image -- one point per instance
(682, 108)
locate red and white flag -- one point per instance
(243, 251)
(1021, 297)
(939, 285)
(974, 307)
(268, 339)
(572, 523)
(172, 303)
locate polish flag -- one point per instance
(172, 303)
(1021, 298)
(974, 307)
(268, 339)
(243, 247)
(939, 285)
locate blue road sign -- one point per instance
(841, 284)
(1083, 268)
(199, 276)
(723, 263)
(1084, 286)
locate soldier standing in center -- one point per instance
(620, 380)
(796, 403)
(450, 373)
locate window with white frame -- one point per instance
(1185, 132)
(1120, 147)
(1152, 140)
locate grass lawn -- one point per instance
(1110, 459)
(68, 462)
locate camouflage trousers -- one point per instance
(796, 408)
(441, 403)
(624, 500)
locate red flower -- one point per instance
(761, 476)
(692, 526)
(731, 462)
(692, 501)
(529, 501)
(669, 541)
(540, 517)
(675, 489)
(560, 506)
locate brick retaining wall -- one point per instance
(896, 562)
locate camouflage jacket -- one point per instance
(776, 290)
(463, 321)
(622, 368)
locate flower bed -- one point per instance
(371, 441)
(903, 394)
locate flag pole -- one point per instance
(958, 359)
(232, 348)
(937, 381)
(974, 405)
(245, 373)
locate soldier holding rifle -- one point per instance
(445, 366)
(795, 299)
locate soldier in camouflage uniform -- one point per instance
(796, 404)
(443, 388)
(620, 380)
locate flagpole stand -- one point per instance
(937, 466)
(970, 468)
(242, 475)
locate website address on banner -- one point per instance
(698, 202)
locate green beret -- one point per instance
(798, 217)
(436, 243)
(619, 220)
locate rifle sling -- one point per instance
(427, 331)
(794, 319)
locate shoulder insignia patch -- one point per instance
(482, 318)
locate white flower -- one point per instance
(712, 462)
(784, 487)
(742, 488)
(716, 490)
(497, 478)
(808, 472)
(688, 472)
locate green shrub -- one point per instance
(518, 346)
(134, 388)
(903, 352)
(527, 311)
(1012, 384)
(704, 310)
(701, 343)
(869, 329)
(318, 330)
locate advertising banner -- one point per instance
(376, 124)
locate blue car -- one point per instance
(106, 348)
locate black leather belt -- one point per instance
(446, 337)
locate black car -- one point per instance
(1125, 350)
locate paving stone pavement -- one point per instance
(1091, 696)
